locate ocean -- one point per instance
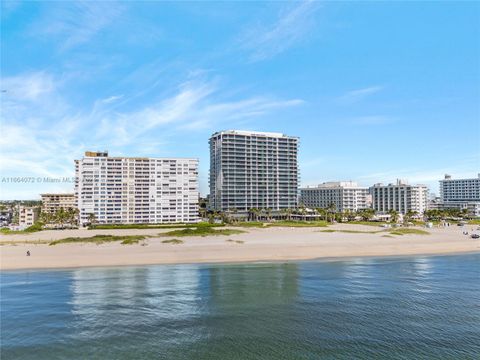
(422, 307)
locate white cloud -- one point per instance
(111, 99)
(77, 22)
(31, 86)
(194, 106)
(359, 94)
(43, 133)
(265, 41)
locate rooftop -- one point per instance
(251, 133)
(336, 184)
(105, 155)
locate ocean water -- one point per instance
(369, 308)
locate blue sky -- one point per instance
(375, 90)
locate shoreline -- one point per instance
(255, 245)
(246, 262)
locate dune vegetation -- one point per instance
(100, 239)
(202, 231)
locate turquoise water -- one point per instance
(398, 308)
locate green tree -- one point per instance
(92, 219)
(409, 215)
(393, 215)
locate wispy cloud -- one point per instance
(30, 86)
(76, 23)
(194, 106)
(45, 133)
(111, 99)
(359, 94)
(293, 23)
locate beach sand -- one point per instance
(259, 244)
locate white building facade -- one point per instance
(460, 194)
(253, 170)
(131, 190)
(343, 195)
(27, 216)
(400, 197)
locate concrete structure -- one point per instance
(344, 195)
(253, 170)
(136, 190)
(51, 203)
(460, 194)
(27, 216)
(400, 197)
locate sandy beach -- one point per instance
(256, 244)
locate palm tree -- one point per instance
(202, 212)
(289, 212)
(409, 216)
(269, 213)
(234, 212)
(92, 219)
(331, 209)
(253, 214)
(211, 217)
(72, 216)
(393, 215)
(322, 212)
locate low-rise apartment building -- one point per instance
(342, 195)
(51, 203)
(400, 197)
(131, 190)
(27, 216)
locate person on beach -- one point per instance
(28, 252)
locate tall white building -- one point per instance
(136, 190)
(344, 195)
(460, 194)
(253, 170)
(400, 197)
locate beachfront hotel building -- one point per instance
(400, 197)
(250, 169)
(460, 194)
(51, 203)
(130, 190)
(343, 195)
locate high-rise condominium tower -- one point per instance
(253, 170)
(136, 190)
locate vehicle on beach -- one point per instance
(475, 236)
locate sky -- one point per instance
(375, 90)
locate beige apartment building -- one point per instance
(27, 216)
(51, 203)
